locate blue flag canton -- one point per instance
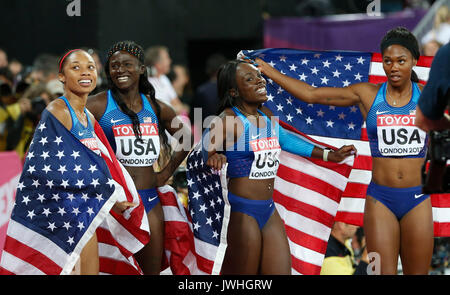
(62, 187)
(205, 204)
(318, 69)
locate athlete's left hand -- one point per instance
(120, 207)
(342, 153)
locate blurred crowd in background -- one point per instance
(25, 90)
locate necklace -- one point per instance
(394, 102)
(81, 117)
(247, 114)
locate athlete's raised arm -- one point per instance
(346, 96)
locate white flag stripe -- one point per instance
(305, 254)
(305, 195)
(131, 188)
(190, 261)
(171, 213)
(102, 147)
(360, 176)
(376, 69)
(17, 265)
(303, 224)
(301, 164)
(205, 250)
(353, 205)
(112, 252)
(121, 234)
(441, 214)
(38, 242)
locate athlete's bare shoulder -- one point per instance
(96, 104)
(367, 92)
(366, 89)
(58, 108)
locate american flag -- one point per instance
(195, 239)
(308, 218)
(64, 196)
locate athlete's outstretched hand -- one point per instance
(263, 66)
(216, 161)
(342, 153)
(120, 207)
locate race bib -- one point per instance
(91, 143)
(267, 153)
(131, 151)
(399, 136)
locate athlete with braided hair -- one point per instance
(135, 123)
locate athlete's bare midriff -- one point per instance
(397, 172)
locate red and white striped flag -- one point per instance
(64, 196)
(120, 236)
(311, 197)
(351, 209)
(195, 238)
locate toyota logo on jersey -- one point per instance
(134, 152)
(267, 152)
(399, 136)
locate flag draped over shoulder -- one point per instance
(64, 196)
(195, 238)
(310, 225)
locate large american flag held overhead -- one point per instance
(64, 196)
(308, 213)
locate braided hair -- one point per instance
(144, 87)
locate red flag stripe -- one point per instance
(350, 217)
(363, 162)
(305, 240)
(105, 236)
(344, 170)
(116, 267)
(440, 200)
(303, 209)
(138, 233)
(441, 229)
(168, 199)
(355, 190)
(305, 268)
(309, 182)
(364, 136)
(5, 272)
(31, 256)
